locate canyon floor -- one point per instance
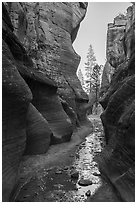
(68, 172)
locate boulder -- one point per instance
(88, 193)
(85, 182)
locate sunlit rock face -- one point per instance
(40, 87)
(117, 160)
(108, 71)
(115, 48)
(47, 30)
(120, 42)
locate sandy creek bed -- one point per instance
(47, 177)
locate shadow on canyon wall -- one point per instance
(43, 101)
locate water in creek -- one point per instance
(58, 185)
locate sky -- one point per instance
(93, 29)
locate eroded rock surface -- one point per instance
(40, 87)
(37, 131)
(16, 96)
(117, 160)
(47, 31)
(107, 74)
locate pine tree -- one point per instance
(91, 62)
(95, 82)
(81, 78)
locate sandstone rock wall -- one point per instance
(117, 161)
(38, 133)
(47, 31)
(42, 96)
(115, 50)
(107, 74)
(16, 97)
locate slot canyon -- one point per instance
(52, 150)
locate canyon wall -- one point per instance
(43, 101)
(117, 161)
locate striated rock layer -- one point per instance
(117, 160)
(43, 101)
(47, 31)
(47, 102)
(115, 50)
(16, 96)
(37, 132)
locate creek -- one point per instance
(79, 182)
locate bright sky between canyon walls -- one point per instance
(93, 29)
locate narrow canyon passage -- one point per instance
(74, 181)
(53, 149)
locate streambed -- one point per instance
(76, 182)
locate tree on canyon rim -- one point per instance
(95, 83)
(91, 62)
(92, 82)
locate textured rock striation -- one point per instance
(117, 160)
(16, 96)
(115, 50)
(43, 101)
(38, 132)
(47, 31)
(107, 74)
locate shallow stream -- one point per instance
(81, 181)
